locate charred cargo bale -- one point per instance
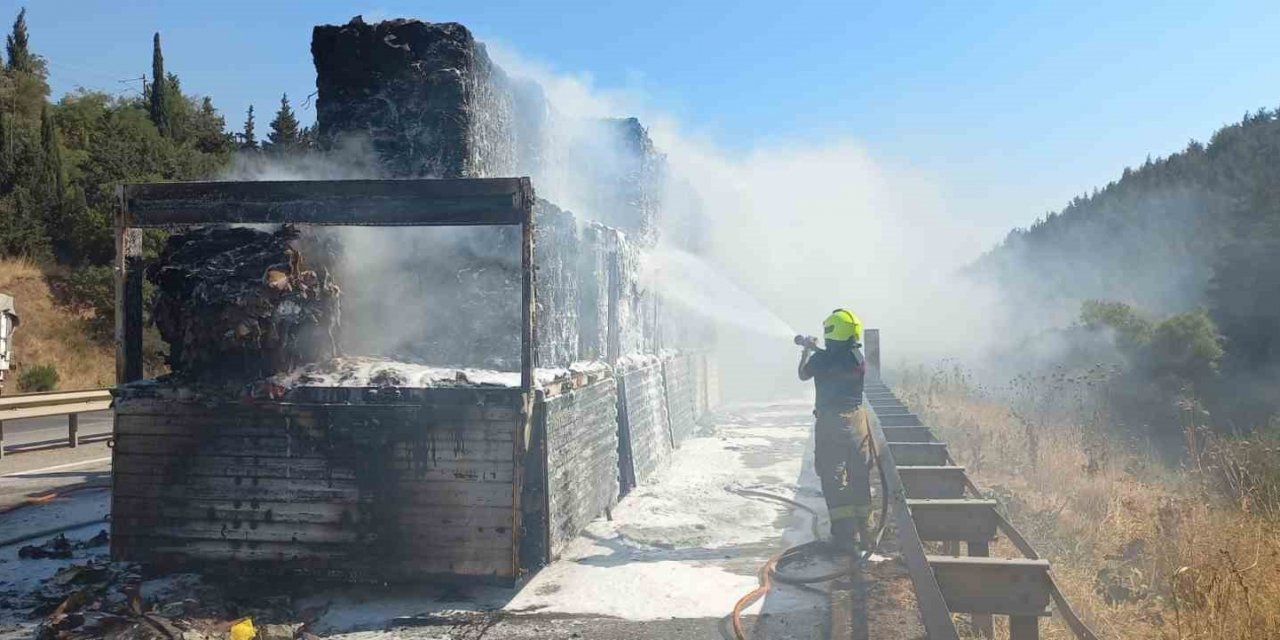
(426, 95)
(616, 314)
(595, 260)
(630, 188)
(236, 304)
(557, 285)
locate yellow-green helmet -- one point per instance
(842, 325)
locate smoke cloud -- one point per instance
(800, 228)
(793, 230)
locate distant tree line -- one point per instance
(1193, 237)
(60, 162)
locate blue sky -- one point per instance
(1012, 107)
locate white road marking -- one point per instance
(69, 465)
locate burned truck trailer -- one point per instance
(383, 477)
(372, 482)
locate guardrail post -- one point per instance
(983, 624)
(871, 350)
(1024, 628)
(73, 429)
(1, 439)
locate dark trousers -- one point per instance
(842, 460)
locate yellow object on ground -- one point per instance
(243, 629)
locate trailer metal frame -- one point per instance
(423, 202)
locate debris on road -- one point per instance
(60, 547)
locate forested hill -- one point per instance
(1198, 229)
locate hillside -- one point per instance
(1198, 229)
(51, 334)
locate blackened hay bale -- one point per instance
(238, 303)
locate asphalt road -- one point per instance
(19, 433)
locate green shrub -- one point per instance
(94, 289)
(40, 377)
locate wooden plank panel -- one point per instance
(934, 483)
(680, 387)
(955, 520)
(190, 427)
(919, 453)
(582, 459)
(195, 466)
(319, 478)
(252, 510)
(893, 409)
(224, 556)
(908, 434)
(146, 486)
(472, 201)
(908, 420)
(1000, 586)
(651, 443)
(454, 492)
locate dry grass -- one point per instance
(52, 334)
(1142, 550)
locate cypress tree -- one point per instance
(248, 139)
(159, 95)
(19, 49)
(52, 178)
(27, 87)
(53, 187)
(285, 135)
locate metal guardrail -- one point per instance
(929, 505)
(933, 608)
(54, 403)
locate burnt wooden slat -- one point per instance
(679, 383)
(227, 556)
(582, 459)
(651, 443)
(483, 201)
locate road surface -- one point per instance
(668, 565)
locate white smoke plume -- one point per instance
(796, 229)
(805, 228)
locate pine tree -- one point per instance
(248, 139)
(285, 136)
(159, 94)
(20, 58)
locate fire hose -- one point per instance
(770, 571)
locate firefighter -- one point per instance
(841, 433)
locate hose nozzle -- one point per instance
(806, 341)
